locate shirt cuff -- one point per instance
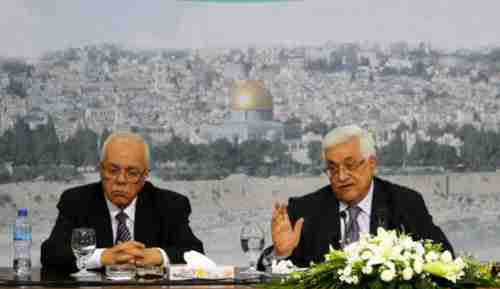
(267, 260)
(166, 260)
(94, 261)
(273, 256)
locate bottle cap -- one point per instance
(22, 212)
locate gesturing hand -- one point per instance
(285, 238)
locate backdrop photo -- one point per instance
(234, 98)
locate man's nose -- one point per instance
(342, 173)
(122, 177)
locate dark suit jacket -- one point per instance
(393, 207)
(161, 220)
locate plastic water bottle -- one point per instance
(22, 244)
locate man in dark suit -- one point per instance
(355, 202)
(135, 222)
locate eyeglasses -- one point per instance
(112, 172)
(349, 167)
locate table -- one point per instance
(44, 280)
(40, 279)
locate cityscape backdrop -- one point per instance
(234, 99)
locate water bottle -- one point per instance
(22, 244)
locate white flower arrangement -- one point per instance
(394, 257)
(387, 260)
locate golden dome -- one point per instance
(250, 95)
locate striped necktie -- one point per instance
(122, 232)
(352, 233)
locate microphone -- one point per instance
(381, 219)
(343, 231)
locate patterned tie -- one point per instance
(122, 232)
(352, 233)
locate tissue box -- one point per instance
(182, 272)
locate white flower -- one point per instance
(355, 280)
(418, 266)
(347, 270)
(366, 255)
(460, 263)
(446, 257)
(375, 260)
(367, 269)
(387, 275)
(419, 248)
(390, 266)
(431, 256)
(407, 243)
(407, 273)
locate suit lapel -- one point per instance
(100, 220)
(329, 221)
(380, 215)
(144, 217)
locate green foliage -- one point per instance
(17, 87)
(14, 67)
(81, 149)
(104, 135)
(62, 173)
(314, 153)
(27, 149)
(394, 153)
(22, 173)
(317, 127)
(4, 174)
(221, 158)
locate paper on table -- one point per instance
(196, 260)
(199, 266)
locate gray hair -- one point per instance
(344, 134)
(125, 135)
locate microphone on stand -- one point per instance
(343, 219)
(381, 218)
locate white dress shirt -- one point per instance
(364, 215)
(94, 260)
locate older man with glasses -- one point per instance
(354, 202)
(134, 221)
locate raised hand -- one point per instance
(285, 237)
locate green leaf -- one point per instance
(405, 286)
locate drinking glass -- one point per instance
(83, 243)
(252, 243)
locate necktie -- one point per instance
(122, 232)
(352, 233)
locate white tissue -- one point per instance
(196, 260)
(283, 267)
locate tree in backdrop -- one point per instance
(104, 135)
(81, 149)
(23, 142)
(314, 151)
(394, 153)
(45, 143)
